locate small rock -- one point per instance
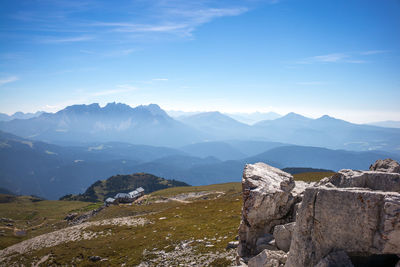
(265, 242)
(94, 258)
(337, 258)
(268, 258)
(162, 218)
(7, 220)
(283, 235)
(20, 233)
(232, 244)
(71, 216)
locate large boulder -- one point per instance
(359, 221)
(386, 165)
(269, 258)
(283, 235)
(267, 201)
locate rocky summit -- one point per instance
(349, 219)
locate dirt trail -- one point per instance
(73, 233)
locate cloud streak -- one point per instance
(73, 39)
(174, 20)
(332, 58)
(9, 79)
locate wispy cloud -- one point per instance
(176, 20)
(9, 79)
(113, 53)
(355, 57)
(373, 52)
(179, 18)
(122, 88)
(331, 58)
(52, 40)
(160, 79)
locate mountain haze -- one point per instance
(150, 125)
(114, 122)
(51, 171)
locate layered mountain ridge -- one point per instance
(151, 125)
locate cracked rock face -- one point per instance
(267, 201)
(383, 181)
(355, 220)
(352, 217)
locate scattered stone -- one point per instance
(265, 242)
(20, 233)
(84, 217)
(6, 220)
(268, 258)
(335, 259)
(232, 244)
(162, 218)
(386, 165)
(94, 258)
(71, 216)
(283, 235)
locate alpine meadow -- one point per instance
(259, 133)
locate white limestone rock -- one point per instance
(269, 258)
(283, 235)
(386, 165)
(354, 220)
(373, 180)
(267, 201)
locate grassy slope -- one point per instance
(35, 217)
(207, 218)
(312, 176)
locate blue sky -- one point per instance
(336, 57)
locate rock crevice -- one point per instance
(350, 216)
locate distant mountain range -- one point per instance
(150, 125)
(115, 122)
(51, 171)
(251, 118)
(388, 124)
(247, 118)
(19, 115)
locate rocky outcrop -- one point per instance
(358, 221)
(386, 165)
(383, 181)
(350, 218)
(269, 198)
